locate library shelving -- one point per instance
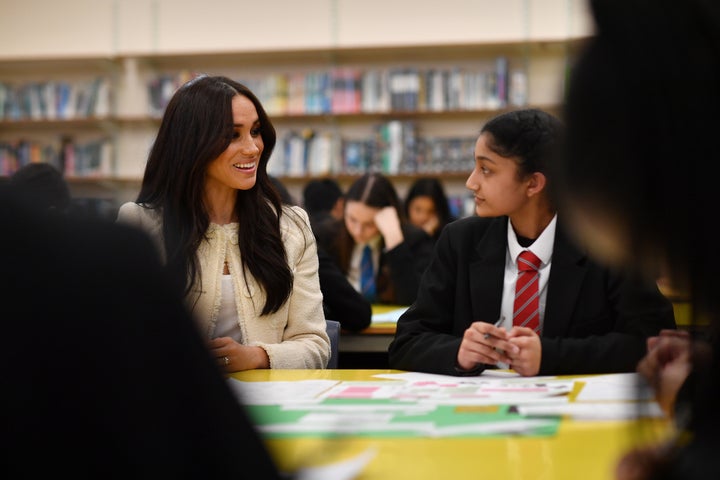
(407, 111)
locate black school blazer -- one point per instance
(596, 320)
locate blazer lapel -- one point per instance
(487, 271)
(566, 277)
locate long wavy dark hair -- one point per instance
(196, 128)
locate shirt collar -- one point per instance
(542, 247)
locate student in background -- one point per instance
(397, 252)
(427, 207)
(248, 265)
(324, 201)
(586, 318)
(43, 185)
(104, 372)
(642, 132)
(341, 301)
(323, 197)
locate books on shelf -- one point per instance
(56, 100)
(396, 148)
(350, 90)
(88, 159)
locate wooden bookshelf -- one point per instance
(137, 44)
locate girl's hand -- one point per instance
(388, 222)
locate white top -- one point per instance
(227, 323)
(353, 275)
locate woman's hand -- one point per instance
(234, 357)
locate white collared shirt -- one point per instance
(542, 247)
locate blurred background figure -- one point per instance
(388, 271)
(324, 201)
(427, 207)
(641, 112)
(43, 186)
(323, 197)
(341, 301)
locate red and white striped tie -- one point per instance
(526, 309)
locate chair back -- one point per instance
(333, 331)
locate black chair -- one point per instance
(333, 331)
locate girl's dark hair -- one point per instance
(196, 128)
(530, 136)
(433, 188)
(374, 190)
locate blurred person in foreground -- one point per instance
(641, 112)
(93, 385)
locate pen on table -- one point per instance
(497, 324)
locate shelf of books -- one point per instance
(406, 112)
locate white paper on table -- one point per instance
(388, 317)
(280, 393)
(487, 375)
(341, 427)
(594, 410)
(422, 388)
(615, 387)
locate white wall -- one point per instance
(42, 28)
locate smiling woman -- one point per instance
(247, 264)
(236, 167)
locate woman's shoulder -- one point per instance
(295, 219)
(292, 214)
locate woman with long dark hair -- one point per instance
(247, 264)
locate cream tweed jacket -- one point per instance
(295, 336)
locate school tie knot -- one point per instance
(526, 307)
(528, 262)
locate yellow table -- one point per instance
(586, 450)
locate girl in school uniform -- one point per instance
(397, 250)
(586, 317)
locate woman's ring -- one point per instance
(227, 361)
